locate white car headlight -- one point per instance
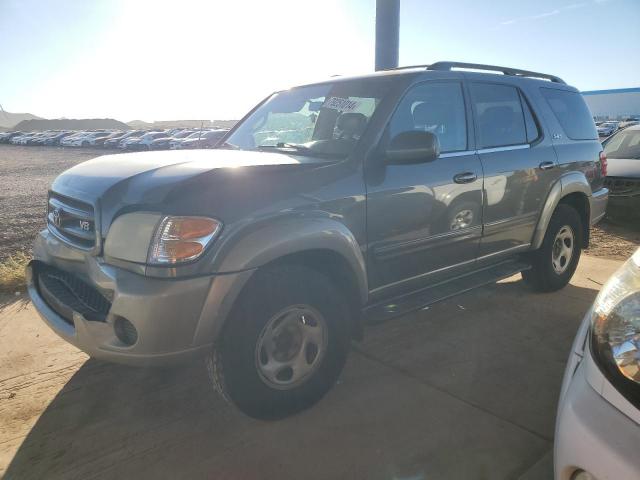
(615, 328)
(182, 239)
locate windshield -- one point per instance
(624, 145)
(325, 120)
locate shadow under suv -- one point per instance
(327, 206)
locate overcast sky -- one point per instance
(191, 59)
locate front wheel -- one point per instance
(555, 262)
(285, 344)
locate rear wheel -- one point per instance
(284, 345)
(555, 262)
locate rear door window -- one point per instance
(572, 113)
(499, 115)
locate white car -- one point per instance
(598, 423)
(67, 141)
(85, 140)
(144, 142)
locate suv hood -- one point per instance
(155, 181)
(623, 167)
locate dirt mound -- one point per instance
(72, 124)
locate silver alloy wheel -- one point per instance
(462, 219)
(291, 346)
(562, 249)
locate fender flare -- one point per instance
(266, 241)
(572, 182)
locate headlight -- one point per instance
(181, 239)
(615, 328)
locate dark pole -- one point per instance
(387, 33)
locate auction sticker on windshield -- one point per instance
(342, 104)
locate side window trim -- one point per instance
(470, 141)
(526, 103)
(515, 146)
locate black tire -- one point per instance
(233, 364)
(542, 277)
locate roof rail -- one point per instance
(492, 68)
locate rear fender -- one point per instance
(573, 182)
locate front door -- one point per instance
(424, 218)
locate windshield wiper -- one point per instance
(297, 148)
(287, 146)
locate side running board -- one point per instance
(393, 307)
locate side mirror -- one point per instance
(413, 147)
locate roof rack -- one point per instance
(447, 66)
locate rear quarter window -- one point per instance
(572, 113)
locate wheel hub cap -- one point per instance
(291, 346)
(562, 250)
(462, 219)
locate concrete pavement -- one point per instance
(466, 389)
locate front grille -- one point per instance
(71, 219)
(65, 293)
(622, 186)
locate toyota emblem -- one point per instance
(57, 217)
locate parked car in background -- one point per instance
(54, 140)
(623, 173)
(350, 199)
(163, 143)
(85, 140)
(66, 141)
(206, 139)
(175, 142)
(99, 140)
(598, 421)
(607, 128)
(123, 144)
(143, 142)
(114, 142)
(7, 136)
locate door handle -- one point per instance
(465, 177)
(547, 165)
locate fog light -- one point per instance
(125, 331)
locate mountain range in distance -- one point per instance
(30, 122)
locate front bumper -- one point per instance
(175, 319)
(592, 433)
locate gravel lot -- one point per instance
(25, 176)
(27, 172)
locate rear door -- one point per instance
(519, 165)
(424, 219)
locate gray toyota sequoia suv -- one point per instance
(327, 206)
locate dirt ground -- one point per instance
(466, 389)
(27, 172)
(25, 176)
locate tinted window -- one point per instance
(499, 115)
(533, 131)
(436, 108)
(572, 112)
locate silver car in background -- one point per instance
(598, 422)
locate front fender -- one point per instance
(572, 182)
(260, 244)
